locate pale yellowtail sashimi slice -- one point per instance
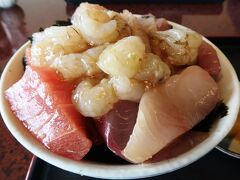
(169, 110)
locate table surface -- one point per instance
(20, 21)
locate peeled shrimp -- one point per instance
(127, 89)
(122, 58)
(75, 65)
(97, 24)
(70, 66)
(90, 58)
(162, 24)
(152, 69)
(147, 22)
(54, 42)
(94, 101)
(137, 27)
(178, 46)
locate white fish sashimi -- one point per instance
(171, 109)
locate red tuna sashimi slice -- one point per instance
(41, 99)
(208, 60)
(171, 109)
(116, 126)
(180, 145)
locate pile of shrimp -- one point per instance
(116, 56)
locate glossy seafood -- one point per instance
(170, 110)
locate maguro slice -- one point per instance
(180, 145)
(41, 99)
(117, 125)
(208, 60)
(170, 110)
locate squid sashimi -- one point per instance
(42, 101)
(168, 111)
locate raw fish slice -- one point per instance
(42, 101)
(168, 111)
(193, 92)
(208, 60)
(117, 125)
(179, 146)
(93, 132)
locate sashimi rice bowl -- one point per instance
(119, 95)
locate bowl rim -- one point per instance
(89, 168)
(227, 145)
(228, 152)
